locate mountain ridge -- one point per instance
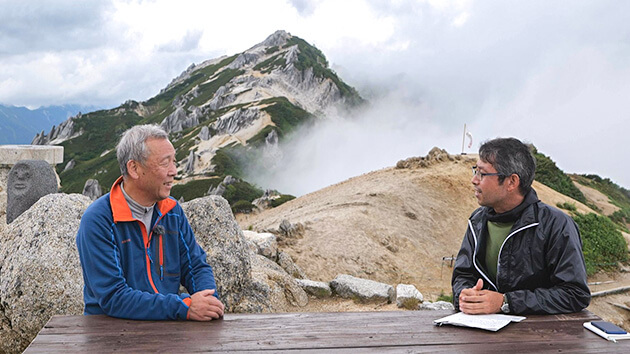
(217, 112)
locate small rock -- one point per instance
(363, 290)
(438, 305)
(315, 288)
(266, 244)
(408, 296)
(286, 262)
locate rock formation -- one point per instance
(41, 274)
(92, 189)
(64, 131)
(234, 121)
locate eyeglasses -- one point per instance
(481, 175)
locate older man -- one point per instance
(136, 246)
(519, 255)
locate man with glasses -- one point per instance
(519, 255)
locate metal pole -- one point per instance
(464, 139)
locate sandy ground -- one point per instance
(397, 226)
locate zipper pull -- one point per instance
(161, 272)
(149, 254)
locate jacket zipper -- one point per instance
(472, 230)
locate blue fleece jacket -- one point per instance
(129, 273)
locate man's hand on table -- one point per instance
(475, 301)
(204, 306)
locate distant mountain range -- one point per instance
(220, 114)
(18, 125)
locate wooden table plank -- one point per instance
(382, 331)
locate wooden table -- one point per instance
(352, 332)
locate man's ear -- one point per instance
(132, 169)
(513, 181)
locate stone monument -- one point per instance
(11, 154)
(28, 181)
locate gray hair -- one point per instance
(132, 145)
(510, 156)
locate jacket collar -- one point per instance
(121, 210)
(528, 214)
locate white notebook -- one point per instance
(488, 322)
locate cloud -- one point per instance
(30, 26)
(539, 70)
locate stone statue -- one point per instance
(28, 181)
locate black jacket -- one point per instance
(541, 266)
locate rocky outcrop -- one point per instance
(190, 163)
(204, 134)
(244, 59)
(436, 155)
(408, 296)
(70, 165)
(64, 131)
(232, 122)
(92, 189)
(41, 274)
(362, 290)
(277, 39)
(180, 120)
(221, 187)
(221, 99)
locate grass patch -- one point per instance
(603, 245)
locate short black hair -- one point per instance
(510, 156)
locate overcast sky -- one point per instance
(554, 73)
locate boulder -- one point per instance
(286, 262)
(315, 288)
(219, 235)
(362, 290)
(265, 243)
(280, 290)
(41, 273)
(92, 189)
(408, 296)
(438, 305)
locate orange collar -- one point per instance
(120, 208)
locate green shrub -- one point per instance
(194, 189)
(567, 206)
(283, 199)
(241, 191)
(242, 206)
(444, 297)
(550, 175)
(603, 244)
